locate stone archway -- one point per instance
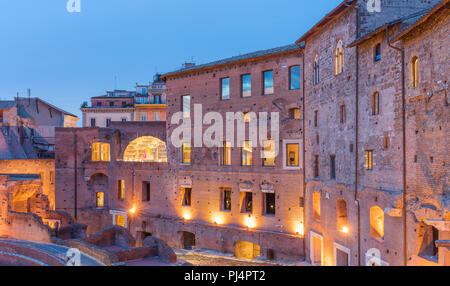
(146, 149)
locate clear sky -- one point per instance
(65, 58)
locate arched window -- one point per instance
(375, 103)
(339, 58)
(316, 206)
(316, 70)
(342, 215)
(146, 149)
(414, 72)
(376, 222)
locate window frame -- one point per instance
(222, 86)
(242, 85)
(266, 202)
(264, 82)
(187, 197)
(242, 153)
(183, 159)
(299, 77)
(368, 160)
(185, 115)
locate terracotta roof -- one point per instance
(253, 55)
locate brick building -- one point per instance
(360, 177)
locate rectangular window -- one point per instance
(269, 203)
(120, 220)
(225, 88)
(269, 153)
(316, 166)
(342, 115)
(124, 120)
(92, 122)
(294, 77)
(52, 177)
(246, 85)
(316, 118)
(157, 115)
(99, 103)
(294, 113)
(369, 160)
(143, 116)
(377, 53)
(187, 192)
(333, 167)
(100, 152)
(247, 157)
(268, 82)
(120, 189)
(186, 150)
(386, 142)
(226, 199)
(226, 153)
(247, 202)
(375, 103)
(145, 191)
(108, 122)
(100, 199)
(186, 106)
(111, 103)
(292, 151)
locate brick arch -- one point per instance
(147, 149)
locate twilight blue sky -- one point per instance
(67, 58)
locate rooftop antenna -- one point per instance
(29, 95)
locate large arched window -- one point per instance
(316, 70)
(339, 58)
(146, 149)
(414, 71)
(376, 222)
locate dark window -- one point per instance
(145, 191)
(316, 118)
(99, 103)
(111, 103)
(124, 120)
(226, 200)
(270, 203)
(225, 88)
(333, 167)
(316, 166)
(108, 122)
(294, 77)
(377, 53)
(247, 202)
(187, 196)
(246, 85)
(92, 122)
(268, 82)
(157, 99)
(124, 103)
(316, 70)
(342, 115)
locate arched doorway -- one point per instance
(146, 149)
(98, 187)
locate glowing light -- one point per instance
(250, 222)
(187, 215)
(133, 210)
(218, 219)
(299, 229)
(345, 229)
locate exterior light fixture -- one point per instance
(133, 210)
(345, 229)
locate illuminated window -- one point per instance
(294, 77)
(100, 199)
(369, 160)
(268, 82)
(246, 202)
(52, 177)
(292, 151)
(269, 153)
(386, 142)
(247, 116)
(100, 152)
(146, 149)
(120, 220)
(120, 189)
(246, 85)
(316, 70)
(316, 206)
(226, 199)
(269, 203)
(145, 191)
(225, 88)
(339, 58)
(375, 103)
(247, 156)
(341, 214)
(414, 72)
(186, 150)
(225, 153)
(294, 113)
(186, 106)
(376, 222)
(377, 53)
(187, 192)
